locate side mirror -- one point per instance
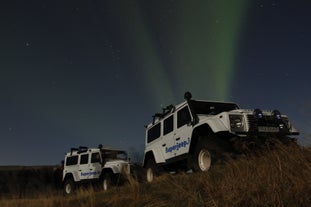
(192, 122)
(195, 120)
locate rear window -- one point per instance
(154, 132)
(168, 125)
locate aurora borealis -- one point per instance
(200, 48)
(206, 47)
(88, 72)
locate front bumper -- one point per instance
(267, 125)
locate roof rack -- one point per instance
(82, 149)
(79, 150)
(73, 150)
(165, 111)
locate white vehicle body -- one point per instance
(174, 134)
(90, 165)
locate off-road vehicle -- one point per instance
(196, 133)
(99, 166)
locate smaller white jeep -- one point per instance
(99, 166)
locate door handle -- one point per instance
(163, 145)
(177, 138)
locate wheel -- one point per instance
(209, 150)
(152, 171)
(202, 158)
(69, 186)
(107, 181)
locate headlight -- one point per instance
(236, 123)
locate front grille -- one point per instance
(252, 123)
(265, 121)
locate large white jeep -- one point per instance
(196, 133)
(103, 167)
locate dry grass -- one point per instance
(281, 177)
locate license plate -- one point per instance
(268, 129)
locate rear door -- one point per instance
(71, 166)
(156, 142)
(89, 165)
(168, 137)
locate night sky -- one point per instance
(87, 72)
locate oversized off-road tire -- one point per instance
(151, 171)
(208, 151)
(202, 158)
(107, 181)
(69, 186)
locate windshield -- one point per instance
(211, 108)
(114, 155)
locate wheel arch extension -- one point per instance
(200, 131)
(149, 155)
(106, 170)
(68, 176)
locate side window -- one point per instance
(154, 132)
(168, 125)
(73, 160)
(84, 159)
(95, 157)
(183, 117)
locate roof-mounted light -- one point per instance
(277, 114)
(258, 114)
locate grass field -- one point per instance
(281, 177)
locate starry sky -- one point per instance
(85, 72)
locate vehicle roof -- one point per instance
(178, 106)
(77, 151)
(212, 101)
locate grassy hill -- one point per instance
(281, 177)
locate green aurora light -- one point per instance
(209, 32)
(200, 39)
(147, 62)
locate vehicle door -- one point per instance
(156, 142)
(168, 137)
(95, 165)
(183, 131)
(71, 166)
(84, 168)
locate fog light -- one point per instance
(281, 126)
